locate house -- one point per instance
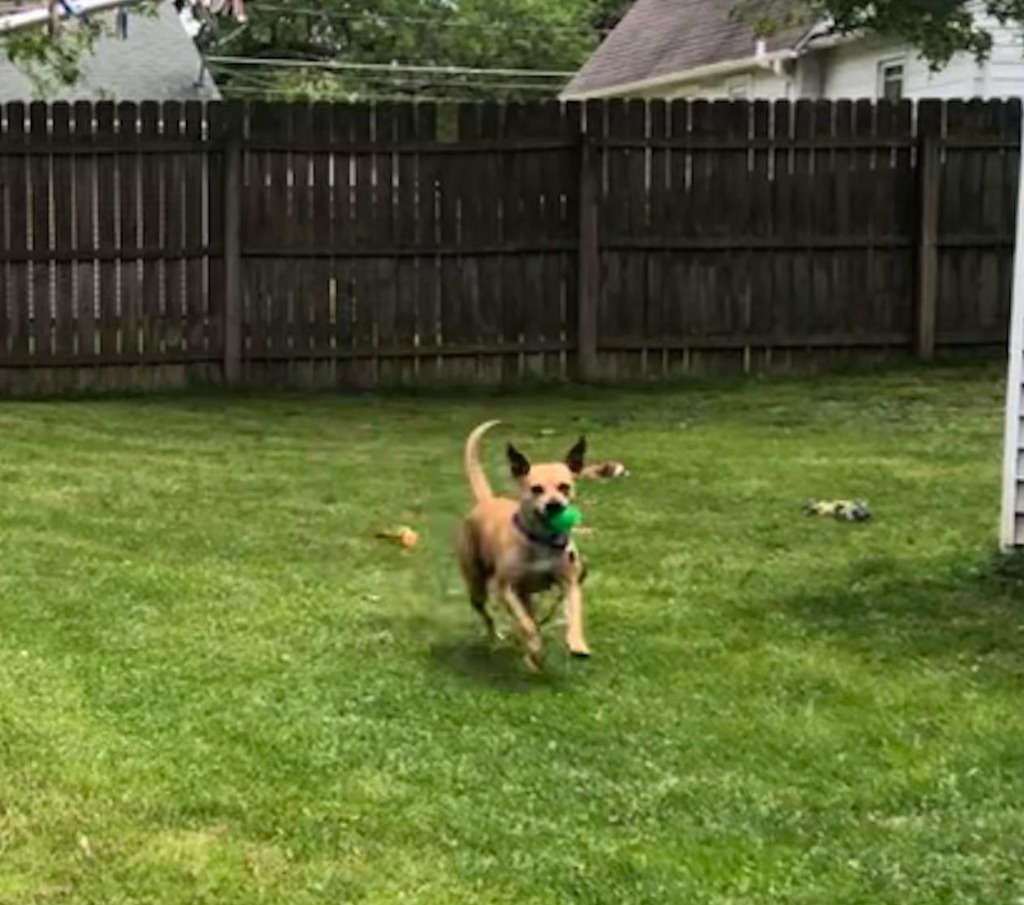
(156, 60)
(695, 48)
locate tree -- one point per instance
(520, 35)
(333, 45)
(52, 56)
(937, 28)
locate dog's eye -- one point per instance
(564, 489)
(536, 490)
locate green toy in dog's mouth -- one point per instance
(563, 521)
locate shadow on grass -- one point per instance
(967, 610)
(455, 645)
(501, 669)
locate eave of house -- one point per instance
(757, 60)
(818, 37)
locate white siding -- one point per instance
(762, 84)
(809, 77)
(1012, 533)
(1011, 522)
(851, 71)
(1006, 62)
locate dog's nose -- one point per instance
(553, 507)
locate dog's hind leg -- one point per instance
(531, 636)
(572, 592)
(476, 584)
(475, 576)
(574, 638)
(479, 601)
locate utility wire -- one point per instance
(270, 94)
(384, 18)
(345, 66)
(411, 88)
(405, 82)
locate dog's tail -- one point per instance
(478, 482)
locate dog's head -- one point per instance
(547, 487)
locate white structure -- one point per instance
(695, 48)
(1011, 522)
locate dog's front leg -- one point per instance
(573, 595)
(531, 636)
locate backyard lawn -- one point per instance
(217, 686)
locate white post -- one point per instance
(1014, 374)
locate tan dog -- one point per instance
(504, 548)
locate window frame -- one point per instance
(883, 78)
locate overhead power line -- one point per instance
(346, 66)
(408, 86)
(404, 82)
(253, 93)
(384, 18)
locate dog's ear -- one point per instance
(574, 458)
(517, 461)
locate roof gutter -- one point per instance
(760, 60)
(40, 15)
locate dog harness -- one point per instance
(556, 545)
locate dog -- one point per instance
(505, 550)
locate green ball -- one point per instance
(563, 522)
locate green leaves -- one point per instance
(434, 34)
(937, 28)
(51, 61)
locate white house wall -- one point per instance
(1005, 67)
(757, 83)
(808, 79)
(851, 71)
(760, 83)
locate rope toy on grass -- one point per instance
(843, 510)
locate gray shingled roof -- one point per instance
(662, 37)
(157, 61)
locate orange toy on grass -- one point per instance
(403, 534)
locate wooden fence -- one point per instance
(363, 245)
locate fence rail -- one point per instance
(155, 245)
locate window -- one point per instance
(890, 80)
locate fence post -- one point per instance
(232, 139)
(929, 173)
(589, 253)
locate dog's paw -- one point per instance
(534, 652)
(579, 651)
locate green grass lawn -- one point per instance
(216, 686)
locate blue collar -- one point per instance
(545, 539)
